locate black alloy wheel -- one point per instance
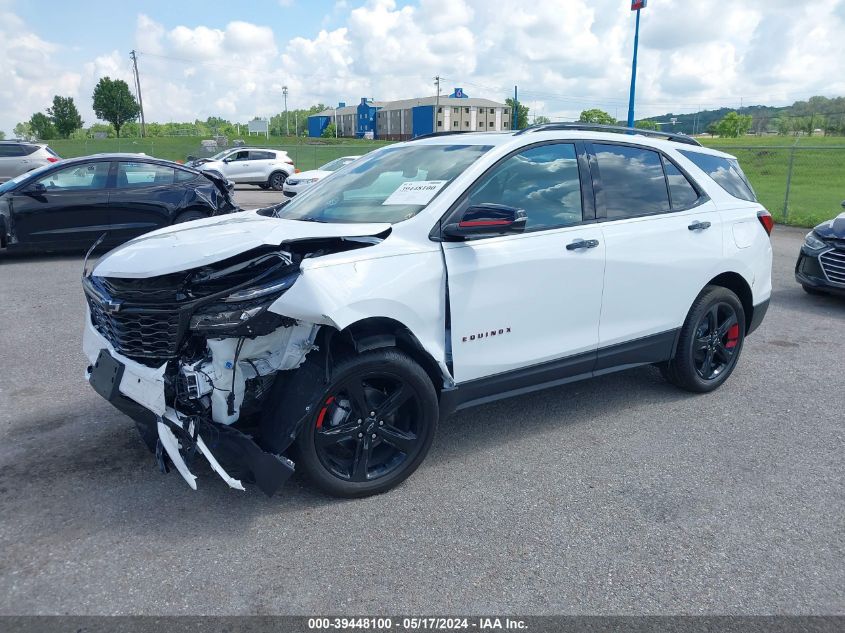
(366, 430)
(277, 180)
(368, 427)
(716, 339)
(709, 343)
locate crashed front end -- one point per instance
(191, 356)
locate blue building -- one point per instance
(409, 118)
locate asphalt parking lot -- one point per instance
(621, 495)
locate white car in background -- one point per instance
(263, 167)
(305, 179)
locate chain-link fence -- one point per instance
(798, 184)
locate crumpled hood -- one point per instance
(201, 242)
(311, 173)
(834, 228)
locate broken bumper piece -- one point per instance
(179, 439)
(230, 453)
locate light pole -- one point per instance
(636, 5)
(287, 118)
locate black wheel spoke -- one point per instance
(327, 437)
(361, 460)
(723, 352)
(402, 440)
(707, 365)
(395, 400)
(360, 406)
(727, 325)
(702, 342)
(712, 319)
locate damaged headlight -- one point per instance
(240, 308)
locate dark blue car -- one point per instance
(821, 264)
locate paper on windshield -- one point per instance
(415, 192)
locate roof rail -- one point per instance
(436, 134)
(614, 129)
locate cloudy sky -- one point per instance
(231, 59)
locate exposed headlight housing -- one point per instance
(306, 181)
(241, 308)
(813, 243)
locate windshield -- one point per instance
(388, 185)
(337, 163)
(11, 184)
(221, 155)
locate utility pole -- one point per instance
(436, 103)
(287, 118)
(515, 116)
(636, 5)
(138, 91)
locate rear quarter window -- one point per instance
(725, 171)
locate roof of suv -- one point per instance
(585, 132)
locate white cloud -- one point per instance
(565, 55)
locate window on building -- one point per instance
(632, 181)
(504, 124)
(439, 110)
(490, 124)
(466, 123)
(505, 112)
(480, 124)
(455, 110)
(440, 124)
(492, 111)
(466, 110)
(454, 124)
(542, 180)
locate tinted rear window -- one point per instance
(726, 172)
(632, 181)
(683, 195)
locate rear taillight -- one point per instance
(289, 162)
(53, 159)
(766, 220)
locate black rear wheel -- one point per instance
(277, 180)
(710, 342)
(369, 428)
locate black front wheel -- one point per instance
(277, 180)
(371, 426)
(710, 342)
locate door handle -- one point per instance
(699, 226)
(579, 244)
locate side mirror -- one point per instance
(37, 189)
(843, 204)
(487, 220)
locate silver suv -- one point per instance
(265, 168)
(18, 157)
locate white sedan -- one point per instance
(305, 179)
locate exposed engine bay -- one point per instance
(191, 356)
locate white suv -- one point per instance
(266, 168)
(437, 274)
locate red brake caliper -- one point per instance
(322, 414)
(733, 336)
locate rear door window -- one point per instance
(9, 150)
(632, 181)
(256, 155)
(725, 171)
(133, 175)
(682, 194)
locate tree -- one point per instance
(114, 103)
(23, 130)
(646, 125)
(65, 116)
(41, 126)
(2, 135)
(521, 114)
(329, 131)
(596, 116)
(540, 120)
(734, 125)
(783, 125)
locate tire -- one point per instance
(706, 355)
(813, 291)
(188, 216)
(276, 181)
(264, 186)
(342, 449)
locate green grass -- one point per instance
(818, 174)
(306, 153)
(817, 188)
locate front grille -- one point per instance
(833, 265)
(149, 337)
